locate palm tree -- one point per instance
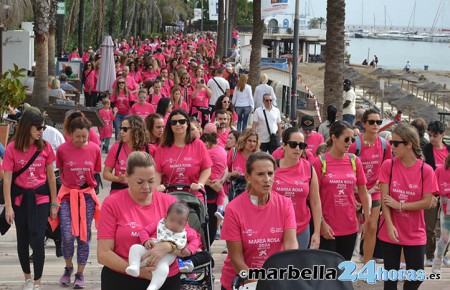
(334, 58)
(257, 40)
(51, 38)
(17, 11)
(220, 29)
(321, 21)
(41, 9)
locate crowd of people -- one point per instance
(179, 116)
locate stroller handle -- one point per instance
(182, 187)
(237, 282)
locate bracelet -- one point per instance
(54, 204)
(401, 205)
(322, 219)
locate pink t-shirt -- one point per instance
(78, 165)
(142, 110)
(443, 179)
(239, 162)
(440, 155)
(183, 106)
(122, 103)
(201, 100)
(293, 183)
(222, 137)
(219, 159)
(154, 100)
(371, 158)
(108, 118)
(122, 218)
(313, 141)
(260, 229)
(336, 192)
(35, 175)
(406, 185)
(279, 154)
(182, 165)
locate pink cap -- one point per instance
(209, 128)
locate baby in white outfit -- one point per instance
(169, 229)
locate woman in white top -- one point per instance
(243, 101)
(262, 89)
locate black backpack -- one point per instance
(233, 79)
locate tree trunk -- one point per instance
(123, 24)
(135, 17)
(59, 32)
(41, 11)
(81, 19)
(113, 18)
(101, 23)
(233, 16)
(220, 28)
(257, 40)
(51, 38)
(334, 58)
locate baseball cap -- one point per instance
(209, 128)
(229, 66)
(307, 123)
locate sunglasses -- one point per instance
(349, 138)
(301, 145)
(40, 127)
(372, 122)
(121, 83)
(174, 122)
(226, 102)
(269, 101)
(125, 129)
(396, 143)
(185, 78)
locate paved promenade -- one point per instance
(11, 276)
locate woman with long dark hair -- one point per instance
(31, 196)
(324, 128)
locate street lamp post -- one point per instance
(294, 96)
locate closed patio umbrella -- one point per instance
(107, 74)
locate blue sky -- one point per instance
(398, 11)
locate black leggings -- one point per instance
(212, 208)
(343, 245)
(111, 280)
(26, 239)
(414, 258)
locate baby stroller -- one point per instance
(299, 259)
(198, 220)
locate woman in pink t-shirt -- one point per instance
(133, 137)
(28, 196)
(120, 98)
(247, 144)
(155, 128)
(295, 178)
(71, 115)
(200, 99)
(107, 115)
(124, 214)
(372, 156)
(214, 185)
(77, 161)
(407, 186)
(181, 159)
(443, 176)
(186, 89)
(88, 85)
(258, 223)
(338, 173)
(177, 100)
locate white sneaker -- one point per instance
(429, 263)
(28, 285)
(132, 271)
(437, 264)
(446, 262)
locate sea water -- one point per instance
(393, 54)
